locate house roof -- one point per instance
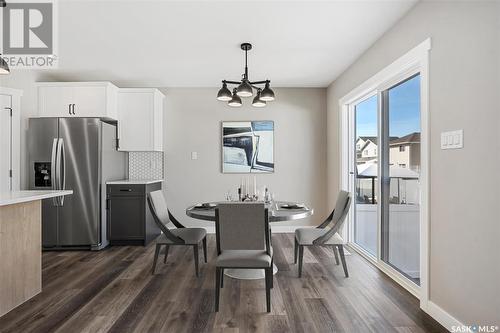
(373, 139)
(393, 140)
(410, 138)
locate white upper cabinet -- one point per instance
(140, 119)
(77, 99)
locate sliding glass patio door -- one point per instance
(400, 228)
(365, 154)
(385, 175)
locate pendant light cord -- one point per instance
(246, 66)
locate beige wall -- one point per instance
(193, 123)
(464, 193)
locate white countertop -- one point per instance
(15, 197)
(136, 182)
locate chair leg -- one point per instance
(301, 259)
(342, 257)
(195, 248)
(269, 273)
(295, 250)
(157, 252)
(217, 288)
(205, 248)
(272, 276)
(336, 253)
(222, 277)
(166, 254)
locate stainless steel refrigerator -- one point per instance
(77, 154)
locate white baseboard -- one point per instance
(442, 317)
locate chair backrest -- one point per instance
(341, 209)
(242, 226)
(159, 210)
(338, 216)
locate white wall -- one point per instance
(464, 193)
(192, 122)
(25, 81)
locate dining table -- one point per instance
(278, 211)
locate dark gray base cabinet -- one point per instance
(129, 220)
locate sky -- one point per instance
(404, 111)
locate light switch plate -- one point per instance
(194, 155)
(452, 139)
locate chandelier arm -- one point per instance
(260, 82)
(232, 82)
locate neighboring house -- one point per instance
(366, 149)
(360, 142)
(405, 152)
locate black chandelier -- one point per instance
(245, 88)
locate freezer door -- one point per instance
(79, 213)
(42, 142)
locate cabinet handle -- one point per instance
(74, 109)
(126, 190)
(69, 108)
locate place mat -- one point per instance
(205, 206)
(292, 206)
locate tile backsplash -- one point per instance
(145, 165)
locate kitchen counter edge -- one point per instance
(134, 182)
(16, 197)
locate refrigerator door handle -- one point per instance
(53, 173)
(61, 169)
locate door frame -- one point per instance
(415, 60)
(15, 104)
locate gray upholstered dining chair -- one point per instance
(322, 236)
(169, 237)
(244, 242)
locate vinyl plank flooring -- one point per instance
(278, 324)
(323, 317)
(57, 291)
(113, 291)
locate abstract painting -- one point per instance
(247, 146)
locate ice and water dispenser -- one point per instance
(42, 174)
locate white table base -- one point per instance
(247, 274)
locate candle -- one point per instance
(254, 185)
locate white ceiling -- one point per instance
(196, 43)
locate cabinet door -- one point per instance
(126, 217)
(90, 101)
(158, 123)
(135, 121)
(55, 101)
(5, 144)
